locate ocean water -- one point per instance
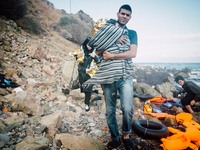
(194, 67)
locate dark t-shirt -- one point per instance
(133, 36)
(192, 90)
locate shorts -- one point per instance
(187, 99)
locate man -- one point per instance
(116, 45)
(192, 93)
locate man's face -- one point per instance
(180, 82)
(124, 16)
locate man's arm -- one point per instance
(125, 55)
(195, 89)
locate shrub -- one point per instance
(13, 9)
(67, 20)
(30, 25)
(77, 28)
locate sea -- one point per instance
(194, 67)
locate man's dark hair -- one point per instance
(125, 6)
(179, 78)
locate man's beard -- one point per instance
(121, 24)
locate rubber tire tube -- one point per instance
(143, 96)
(150, 129)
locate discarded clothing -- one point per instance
(4, 82)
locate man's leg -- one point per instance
(186, 102)
(189, 109)
(126, 97)
(192, 102)
(110, 94)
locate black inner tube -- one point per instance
(150, 129)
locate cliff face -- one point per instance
(13, 9)
(39, 17)
(29, 25)
(36, 9)
(33, 30)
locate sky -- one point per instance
(168, 30)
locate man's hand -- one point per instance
(108, 56)
(122, 39)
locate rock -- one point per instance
(170, 122)
(2, 126)
(167, 90)
(3, 92)
(78, 142)
(10, 72)
(33, 143)
(196, 117)
(4, 138)
(52, 121)
(177, 110)
(136, 102)
(13, 119)
(143, 88)
(23, 99)
(65, 91)
(150, 76)
(40, 129)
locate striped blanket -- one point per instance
(111, 70)
(106, 37)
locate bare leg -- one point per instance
(126, 136)
(192, 102)
(189, 109)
